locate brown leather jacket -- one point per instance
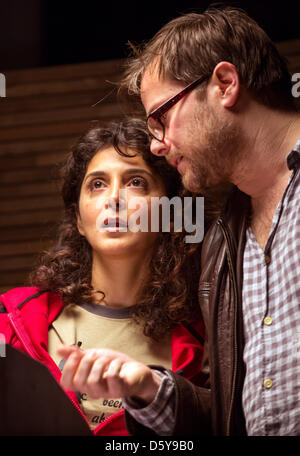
(220, 298)
(217, 409)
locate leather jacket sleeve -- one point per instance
(192, 410)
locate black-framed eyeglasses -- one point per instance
(155, 126)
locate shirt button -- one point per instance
(268, 383)
(267, 259)
(268, 321)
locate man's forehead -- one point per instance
(150, 74)
(156, 88)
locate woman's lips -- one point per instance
(114, 224)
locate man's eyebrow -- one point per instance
(156, 106)
(160, 103)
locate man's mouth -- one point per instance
(178, 160)
(175, 161)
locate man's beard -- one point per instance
(214, 153)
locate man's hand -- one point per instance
(107, 374)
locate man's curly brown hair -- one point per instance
(170, 294)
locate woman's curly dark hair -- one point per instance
(170, 294)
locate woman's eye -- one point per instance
(138, 182)
(97, 184)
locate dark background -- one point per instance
(35, 33)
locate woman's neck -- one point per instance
(120, 279)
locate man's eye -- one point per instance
(163, 117)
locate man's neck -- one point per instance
(263, 173)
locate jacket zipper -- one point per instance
(228, 240)
(19, 332)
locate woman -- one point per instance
(104, 286)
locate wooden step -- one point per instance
(289, 47)
(27, 233)
(55, 116)
(28, 218)
(47, 102)
(58, 87)
(30, 189)
(26, 204)
(35, 174)
(17, 263)
(9, 161)
(24, 248)
(14, 279)
(45, 131)
(107, 69)
(36, 146)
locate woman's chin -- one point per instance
(115, 245)
(126, 243)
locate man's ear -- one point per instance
(226, 82)
(79, 223)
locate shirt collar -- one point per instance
(293, 158)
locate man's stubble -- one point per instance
(216, 148)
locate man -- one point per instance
(219, 107)
(236, 124)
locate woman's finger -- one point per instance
(113, 369)
(65, 350)
(69, 369)
(96, 384)
(115, 385)
(83, 370)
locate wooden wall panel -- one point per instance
(45, 110)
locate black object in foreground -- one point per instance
(32, 402)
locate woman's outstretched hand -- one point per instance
(107, 374)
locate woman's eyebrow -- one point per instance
(95, 174)
(128, 171)
(138, 171)
(132, 171)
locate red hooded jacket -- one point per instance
(27, 313)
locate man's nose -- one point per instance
(159, 148)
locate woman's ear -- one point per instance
(226, 83)
(79, 223)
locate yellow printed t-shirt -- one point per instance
(97, 326)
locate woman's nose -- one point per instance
(113, 195)
(159, 148)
